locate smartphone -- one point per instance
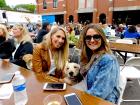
(54, 86)
(6, 78)
(72, 99)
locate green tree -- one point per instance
(4, 6)
(2, 3)
(29, 7)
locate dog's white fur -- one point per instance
(72, 70)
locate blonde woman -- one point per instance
(51, 55)
(23, 44)
(6, 45)
(99, 65)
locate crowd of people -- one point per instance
(47, 48)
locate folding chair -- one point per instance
(130, 70)
(122, 85)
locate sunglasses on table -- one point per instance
(96, 37)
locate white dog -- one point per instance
(72, 73)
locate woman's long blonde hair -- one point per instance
(5, 32)
(25, 34)
(86, 53)
(61, 54)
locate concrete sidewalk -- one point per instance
(132, 91)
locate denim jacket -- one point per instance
(103, 78)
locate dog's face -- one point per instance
(72, 70)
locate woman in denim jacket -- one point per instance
(100, 66)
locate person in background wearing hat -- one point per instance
(45, 29)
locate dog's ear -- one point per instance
(69, 60)
(80, 77)
(76, 65)
(66, 65)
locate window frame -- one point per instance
(55, 3)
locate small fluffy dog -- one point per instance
(72, 73)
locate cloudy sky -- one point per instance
(15, 2)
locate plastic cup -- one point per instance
(1, 102)
(53, 99)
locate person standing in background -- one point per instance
(45, 29)
(35, 32)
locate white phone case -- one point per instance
(46, 87)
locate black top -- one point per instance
(23, 49)
(40, 35)
(6, 48)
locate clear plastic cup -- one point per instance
(1, 102)
(53, 99)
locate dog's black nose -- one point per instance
(71, 73)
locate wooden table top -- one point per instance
(35, 82)
(131, 48)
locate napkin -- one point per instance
(6, 91)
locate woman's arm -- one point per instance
(37, 61)
(105, 80)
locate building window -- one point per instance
(44, 4)
(81, 4)
(89, 4)
(55, 3)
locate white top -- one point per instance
(52, 68)
(13, 54)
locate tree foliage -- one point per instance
(4, 6)
(29, 7)
(2, 3)
(21, 7)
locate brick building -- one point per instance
(109, 11)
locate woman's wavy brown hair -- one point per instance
(86, 53)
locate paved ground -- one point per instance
(132, 90)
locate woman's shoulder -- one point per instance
(108, 57)
(40, 46)
(8, 42)
(26, 43)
